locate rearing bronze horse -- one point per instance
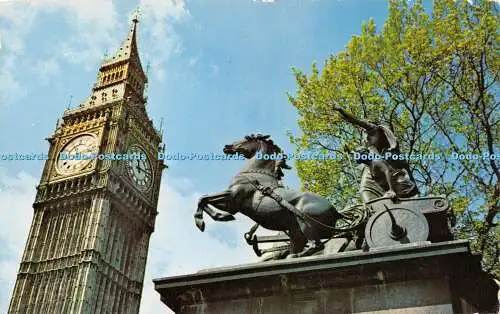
(256, 192)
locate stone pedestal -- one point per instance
(414, 278)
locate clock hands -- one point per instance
(141, 169)
(138, 166)
(143, 172)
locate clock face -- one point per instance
(74, 155)
(139, 169)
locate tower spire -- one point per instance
(121, 75)
(128, 48)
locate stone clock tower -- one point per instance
(93, 217)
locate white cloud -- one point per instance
(157, 20)
(176, 247)
(194, 60)
(10, 87)
(18, 22)
(48, 70)
(94, 31)
(16, 196)
(94, 23)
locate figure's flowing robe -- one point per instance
(369, 188)
(401, 181)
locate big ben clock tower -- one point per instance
(96, 203)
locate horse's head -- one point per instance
(251, 144)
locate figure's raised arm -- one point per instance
(352, 119)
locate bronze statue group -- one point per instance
(305, 217)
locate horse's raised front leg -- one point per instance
(198, 219)
(205, 204)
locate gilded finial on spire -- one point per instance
(136, 15)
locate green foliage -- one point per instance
(434, 80)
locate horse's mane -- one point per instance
(264, 138)
(281, 163)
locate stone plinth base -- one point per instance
(414, 278)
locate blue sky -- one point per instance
(219, 70)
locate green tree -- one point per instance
(434, 80)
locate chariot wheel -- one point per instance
(396, 226)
